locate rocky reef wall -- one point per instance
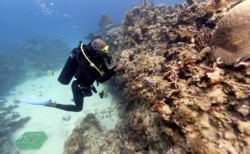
(173, 97)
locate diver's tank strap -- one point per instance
(90, 62)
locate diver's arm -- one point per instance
(106, 76)
(111, 72)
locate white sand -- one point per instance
(50, 120)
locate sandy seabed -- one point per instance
(51, 120)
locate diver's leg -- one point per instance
(78, 99)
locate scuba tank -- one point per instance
(73, 62)
(68, 70)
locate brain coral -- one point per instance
(231, 40)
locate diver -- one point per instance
(87, 63)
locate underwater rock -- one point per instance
(89, 137)
(66, 117)
(244, 127)
(229, 135)
(85, 137)
(244, 109)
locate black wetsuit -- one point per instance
(85, 77)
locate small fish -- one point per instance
(50, 73)
(237, 42)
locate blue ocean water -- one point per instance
(37, 35)
(68, 20)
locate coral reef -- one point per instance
(174, 97)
